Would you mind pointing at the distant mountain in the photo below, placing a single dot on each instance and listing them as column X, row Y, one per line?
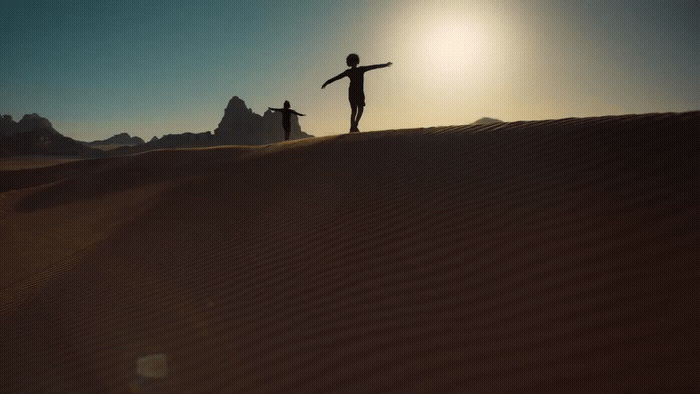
column 9, row 127
column 241, row 126
column 169, row 141
column 44, row 141
column 182, row 140
column 34, row 135
column 123, row 139
column 486, row 121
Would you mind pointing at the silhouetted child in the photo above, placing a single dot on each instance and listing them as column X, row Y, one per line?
column 286, row 117
column 356, row 93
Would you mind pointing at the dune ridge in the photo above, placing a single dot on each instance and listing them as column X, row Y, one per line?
column 535, row 255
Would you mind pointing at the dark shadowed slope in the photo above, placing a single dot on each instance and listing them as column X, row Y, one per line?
column 525, row 256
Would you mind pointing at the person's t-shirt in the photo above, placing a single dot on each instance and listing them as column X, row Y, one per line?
column 357, row 77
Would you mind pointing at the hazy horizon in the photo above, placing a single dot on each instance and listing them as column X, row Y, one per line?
column 96, row 69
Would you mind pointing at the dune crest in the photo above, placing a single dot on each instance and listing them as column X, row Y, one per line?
column 520, row 256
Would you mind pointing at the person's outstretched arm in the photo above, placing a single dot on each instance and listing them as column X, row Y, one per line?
column 337, row 77
column 297, row 113
column 367, row 68
column 275, row 109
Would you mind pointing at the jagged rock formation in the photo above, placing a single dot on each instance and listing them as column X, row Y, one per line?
column 238, row 124
column 44, row 141
column 123, row 139
column 168, row 141
column 9, row 127
column 34, row 135
column 241, row 126
column 182, row 140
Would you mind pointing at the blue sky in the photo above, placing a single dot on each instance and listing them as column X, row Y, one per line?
column 97, row 68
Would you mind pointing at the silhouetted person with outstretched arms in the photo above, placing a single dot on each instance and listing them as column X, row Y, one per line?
column 286, row 117
column 356, row 93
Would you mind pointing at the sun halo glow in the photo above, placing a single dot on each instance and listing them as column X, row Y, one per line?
column 454, row 47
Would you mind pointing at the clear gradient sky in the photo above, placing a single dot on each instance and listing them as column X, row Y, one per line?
column 97, row 68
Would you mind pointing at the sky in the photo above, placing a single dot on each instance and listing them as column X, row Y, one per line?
column 149, row 68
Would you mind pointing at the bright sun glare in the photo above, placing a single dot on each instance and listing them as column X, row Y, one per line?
column 454, row 47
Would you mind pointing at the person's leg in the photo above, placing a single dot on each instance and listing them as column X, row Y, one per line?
column 353, row 107
column 286, row 133
column 360, row 109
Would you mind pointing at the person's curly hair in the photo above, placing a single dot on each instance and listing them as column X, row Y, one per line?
column 352, row 59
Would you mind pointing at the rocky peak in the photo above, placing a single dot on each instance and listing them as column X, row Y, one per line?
column 119, row 139
column 238, row 124
column 29, row 122
column 241, row 126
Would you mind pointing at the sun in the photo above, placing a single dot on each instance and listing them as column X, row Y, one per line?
column 455, row 46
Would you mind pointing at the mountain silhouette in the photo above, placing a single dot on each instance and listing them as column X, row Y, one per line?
column 238, row 126
column 487, row 121
column 119, row 139
column 241, row 126
column 29, row 122
column 182, row 140
column 44, row 141
column 34, row 135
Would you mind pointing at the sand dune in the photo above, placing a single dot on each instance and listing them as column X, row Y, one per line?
column 15, row 163
column 540, row 255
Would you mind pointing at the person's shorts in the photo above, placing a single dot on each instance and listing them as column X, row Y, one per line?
column 357, row 99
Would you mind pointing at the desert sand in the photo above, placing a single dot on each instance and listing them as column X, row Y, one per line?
column 27, row 162
column 522, row 256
